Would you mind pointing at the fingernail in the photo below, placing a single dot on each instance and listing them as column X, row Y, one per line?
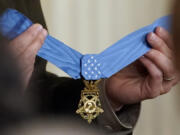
column 159, row 30
column 38, row 27
column 44, row 32
column 152, row 37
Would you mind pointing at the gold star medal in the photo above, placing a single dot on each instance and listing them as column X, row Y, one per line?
column 89, row 105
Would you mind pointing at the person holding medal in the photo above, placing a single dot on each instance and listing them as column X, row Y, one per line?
column 150, row 76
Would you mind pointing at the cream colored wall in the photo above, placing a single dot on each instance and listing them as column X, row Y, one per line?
column 92, row 25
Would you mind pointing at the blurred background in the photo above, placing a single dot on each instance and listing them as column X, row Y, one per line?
column 90, row 26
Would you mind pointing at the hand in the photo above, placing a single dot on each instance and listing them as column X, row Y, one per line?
column 25, row 48
column 152, row 75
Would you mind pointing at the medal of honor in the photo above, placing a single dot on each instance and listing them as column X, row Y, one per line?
column 91, row 67
column 89, row 105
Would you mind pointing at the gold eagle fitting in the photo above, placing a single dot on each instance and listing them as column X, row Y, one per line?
column 89, row 106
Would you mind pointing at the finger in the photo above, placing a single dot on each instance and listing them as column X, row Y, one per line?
column 156, row 77
column 153, row 70
column 162, row 62
column 158, row 44
column 165, row 35
column 168, row 84
column 20, row 43
column 28, row 56
column 37, row 43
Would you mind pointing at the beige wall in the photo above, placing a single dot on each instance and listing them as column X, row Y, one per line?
column 92, row 25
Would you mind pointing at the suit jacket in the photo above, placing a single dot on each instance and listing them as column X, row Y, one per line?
column 55, row 95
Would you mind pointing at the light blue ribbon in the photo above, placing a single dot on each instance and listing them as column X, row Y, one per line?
column 91, row 66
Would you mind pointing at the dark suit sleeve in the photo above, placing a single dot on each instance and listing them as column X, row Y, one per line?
column 117, row 123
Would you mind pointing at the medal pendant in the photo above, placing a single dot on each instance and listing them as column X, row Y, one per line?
column 89, row 106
